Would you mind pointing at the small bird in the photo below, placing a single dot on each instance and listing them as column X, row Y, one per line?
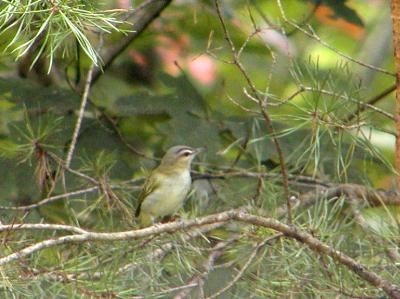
column 166, row 188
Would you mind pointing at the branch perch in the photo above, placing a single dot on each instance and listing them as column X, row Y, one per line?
column 393, row 291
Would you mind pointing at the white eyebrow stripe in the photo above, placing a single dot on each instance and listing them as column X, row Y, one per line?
column 184, row 151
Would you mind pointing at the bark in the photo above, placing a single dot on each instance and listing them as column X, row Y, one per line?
column 395, row 6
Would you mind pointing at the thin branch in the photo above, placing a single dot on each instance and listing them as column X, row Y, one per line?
column 159, row 253
column 50, row 199
column 372, row 101
column 60, row 162
column 245, row 174
column 257, row 247
column 115, row 128
column 314, row 36
column 345, row 97
column 392, row 253
column 372, row 196
column 288, row 99
column 242, row 107
column 82, row 108
column 268, row 122
column 303, row 22
column 248, row 174
column 119, row 236
column 143, row 18
column 155, row 256
column 199, row 280
column 240, row 215
column 41, row 226
column 333, row 94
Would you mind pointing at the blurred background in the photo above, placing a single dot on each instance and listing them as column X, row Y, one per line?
column 175, row 84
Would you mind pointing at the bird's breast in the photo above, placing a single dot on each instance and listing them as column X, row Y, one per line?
column 177, row 185
column 169, row 196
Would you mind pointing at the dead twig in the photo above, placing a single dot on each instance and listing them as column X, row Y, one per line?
column 262, row 107
column 81, row 112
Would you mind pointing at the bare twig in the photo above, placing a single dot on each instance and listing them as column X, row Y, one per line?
column 199, row 280
column 82, row 108
column 60, row 162
column 374, row 197
column 334, row 94
column 372, row 101
column 51, row 199
column 240, row 215
column 248, row 174
column 41, row 226
column 262, row 106
column 314, row 36
column 253, row 254
column 115, row 128
column 159, row 253
column 242, row 107
column 359, row 218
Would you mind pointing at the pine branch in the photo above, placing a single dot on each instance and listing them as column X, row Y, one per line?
column 393, row 291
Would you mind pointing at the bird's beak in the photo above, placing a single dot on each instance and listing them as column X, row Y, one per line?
column 199, row 150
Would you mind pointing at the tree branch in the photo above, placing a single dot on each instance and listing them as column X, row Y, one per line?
column 253, row 254
column 374, row 197
column 395, row 14
column 262, row 106
column 364, row 106
column 41, row 226
column 50, row 199
column 199, row 280
column 240, row 215
column 84, row 100
column 372, row 101
column 143, row 18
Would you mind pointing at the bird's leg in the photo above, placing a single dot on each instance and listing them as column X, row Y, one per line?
column 170, row 218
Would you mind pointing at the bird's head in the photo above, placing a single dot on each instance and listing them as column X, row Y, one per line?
column 179, row 157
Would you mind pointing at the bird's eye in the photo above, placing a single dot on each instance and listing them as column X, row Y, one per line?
column 186, row 154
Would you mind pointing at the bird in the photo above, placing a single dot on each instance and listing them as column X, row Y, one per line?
column 167, row 186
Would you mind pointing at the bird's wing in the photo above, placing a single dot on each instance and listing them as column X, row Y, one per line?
column 149, row 186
